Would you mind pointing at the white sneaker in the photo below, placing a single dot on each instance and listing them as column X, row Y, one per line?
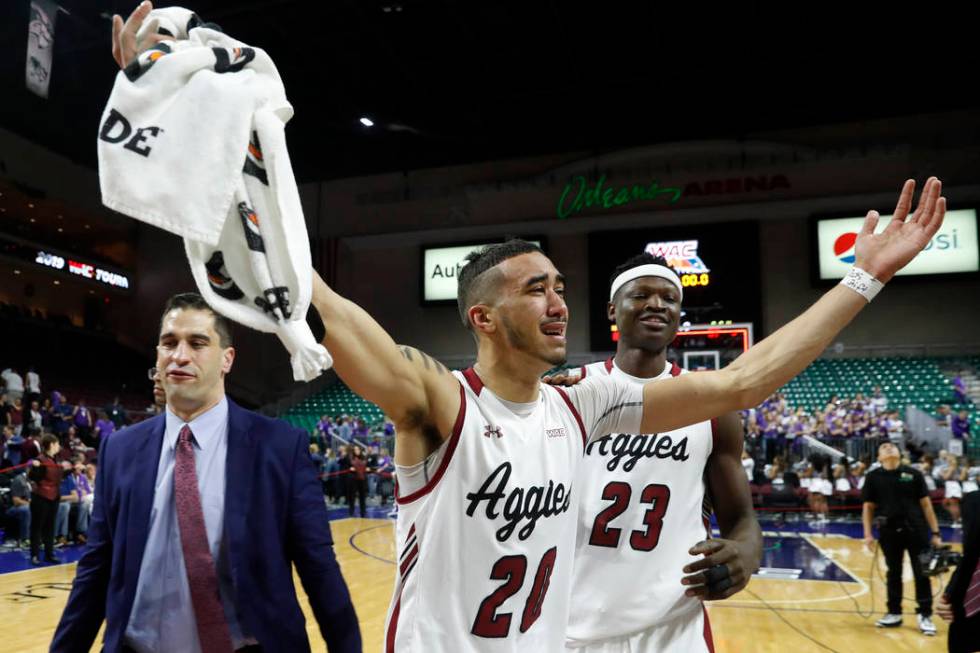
column 926, row 626
column 891, row 621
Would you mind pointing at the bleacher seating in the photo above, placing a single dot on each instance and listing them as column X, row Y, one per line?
column 335, row 400
column 904, row 381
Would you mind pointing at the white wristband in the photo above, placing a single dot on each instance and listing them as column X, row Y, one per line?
column 862, row 283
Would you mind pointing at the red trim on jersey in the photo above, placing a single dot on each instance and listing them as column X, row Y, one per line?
column 674, row 370
column 707, row 632
column 407, row 562
column 609, row 364
column 393, row 626
column 450, row 450
column 583, row 372
column 473, row 379
column 393, row 623
column 714, row 433
column 578, row 418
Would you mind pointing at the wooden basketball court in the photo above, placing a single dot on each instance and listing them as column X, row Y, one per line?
column 779, row 614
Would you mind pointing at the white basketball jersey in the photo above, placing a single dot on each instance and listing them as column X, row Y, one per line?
column 485, row 540
column 640, row 510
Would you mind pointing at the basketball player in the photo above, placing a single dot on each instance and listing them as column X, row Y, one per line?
column 641, row 526
column 486, row 458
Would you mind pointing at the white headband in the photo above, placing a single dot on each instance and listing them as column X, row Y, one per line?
column 649, row 270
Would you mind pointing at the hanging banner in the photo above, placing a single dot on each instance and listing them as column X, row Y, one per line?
column 40, row 45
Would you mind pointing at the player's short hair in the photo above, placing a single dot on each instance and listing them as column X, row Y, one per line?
column 473, row 284
column 636, row 261
column 193, row 301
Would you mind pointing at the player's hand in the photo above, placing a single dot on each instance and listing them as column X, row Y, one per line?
column 945, row 609
column 869, row 543
column 884, row 254
column 724, row 570
column 937, row 541
column 561, row 379
column 125, row 46
column 35, row 463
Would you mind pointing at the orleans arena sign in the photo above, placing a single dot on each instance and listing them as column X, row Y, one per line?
column 580, row 195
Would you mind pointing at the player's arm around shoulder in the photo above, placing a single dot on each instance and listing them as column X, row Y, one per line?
column 739, row 549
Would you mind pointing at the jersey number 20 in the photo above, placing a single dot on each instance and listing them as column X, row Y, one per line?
column 488, row 622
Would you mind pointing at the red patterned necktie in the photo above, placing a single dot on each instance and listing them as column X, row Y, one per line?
column 971, row 602
column 202, row 577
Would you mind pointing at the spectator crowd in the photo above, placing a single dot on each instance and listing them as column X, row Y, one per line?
column 788, row 473
column 48, row 462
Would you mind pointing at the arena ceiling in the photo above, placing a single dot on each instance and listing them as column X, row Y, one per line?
column 455, row 81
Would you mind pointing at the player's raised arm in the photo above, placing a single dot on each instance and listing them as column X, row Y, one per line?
column 419, row 394
column 767, row 366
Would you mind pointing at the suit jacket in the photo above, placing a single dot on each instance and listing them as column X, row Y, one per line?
column 274, row 516
column 956, row 590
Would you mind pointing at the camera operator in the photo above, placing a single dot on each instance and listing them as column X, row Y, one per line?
column 960, row 603
column 898, row 494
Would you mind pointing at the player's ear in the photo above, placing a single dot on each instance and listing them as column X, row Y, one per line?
column 481, row 318
column 611, row 312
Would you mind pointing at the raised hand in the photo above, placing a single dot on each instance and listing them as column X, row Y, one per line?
column 884, row 254
column 125, row 45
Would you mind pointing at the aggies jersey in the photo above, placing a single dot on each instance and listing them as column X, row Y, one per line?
column 486, row 525
column 640, row 510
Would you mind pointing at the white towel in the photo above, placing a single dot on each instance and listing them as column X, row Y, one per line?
column 192, row 141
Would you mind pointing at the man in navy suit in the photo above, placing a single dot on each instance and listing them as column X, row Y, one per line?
column 199, row 515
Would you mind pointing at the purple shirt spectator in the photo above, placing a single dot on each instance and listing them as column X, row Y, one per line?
column 960, row 427
column 83, row 418
column 106, row 428
column 959, row 390
column 60, row 418
column 82, row 485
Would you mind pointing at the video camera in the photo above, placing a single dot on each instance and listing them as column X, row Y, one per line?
column 937, row 559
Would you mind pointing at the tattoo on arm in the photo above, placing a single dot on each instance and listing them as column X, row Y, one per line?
column 407, row 352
